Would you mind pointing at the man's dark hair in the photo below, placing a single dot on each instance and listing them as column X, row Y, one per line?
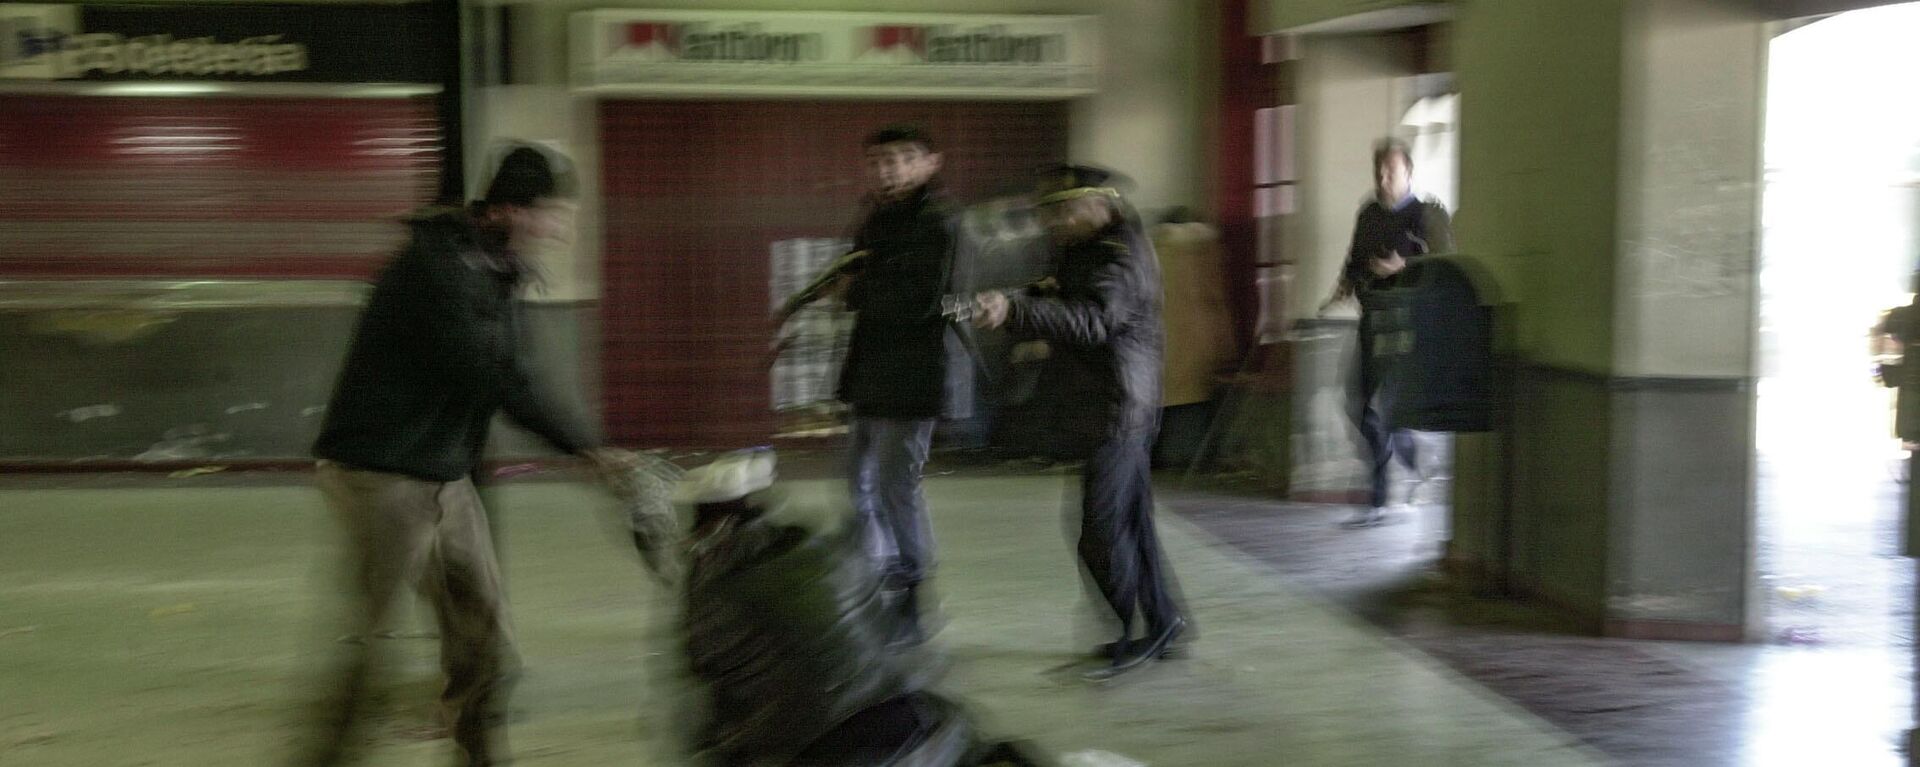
column 895, row 134
column 528, row 173
column 1388, row 147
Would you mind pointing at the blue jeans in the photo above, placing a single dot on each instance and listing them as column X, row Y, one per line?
column 1371, row 408
column 888, row 455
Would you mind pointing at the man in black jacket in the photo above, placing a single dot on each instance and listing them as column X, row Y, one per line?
column 1102, row 322
column 434, row 358
column 904, row 365
column 1392, row 228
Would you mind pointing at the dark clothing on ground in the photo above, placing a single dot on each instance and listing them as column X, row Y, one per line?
column 435, row 356
column 787, row 633
column 905, row 360
column 1102, row 324
column 919, row 730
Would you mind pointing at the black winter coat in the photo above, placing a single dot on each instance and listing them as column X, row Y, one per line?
column 435, row 356
column 905, row 360
column 1102, row 323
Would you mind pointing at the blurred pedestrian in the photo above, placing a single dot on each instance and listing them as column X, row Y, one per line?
column 434, row 358
column 906, row 367
column 1100, row 317
column 1392, row 228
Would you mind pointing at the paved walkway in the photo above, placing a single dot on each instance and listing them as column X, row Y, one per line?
column 180, row 626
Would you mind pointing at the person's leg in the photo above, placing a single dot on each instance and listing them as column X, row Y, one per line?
column 863, row 465
column 902, row 459
column 1158, row 603
column 900, row 450
column 476, row 644
column 1396, row 443
column 388, row 520
column 1370, row 420
column 1107, row 546
column 1405, row 447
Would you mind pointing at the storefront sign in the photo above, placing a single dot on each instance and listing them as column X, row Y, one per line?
column 720, row 53
column 394, row 43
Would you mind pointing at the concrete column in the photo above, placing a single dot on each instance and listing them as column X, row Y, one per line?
column 1539, row 175
column 1681, row 526
column 1610, row 161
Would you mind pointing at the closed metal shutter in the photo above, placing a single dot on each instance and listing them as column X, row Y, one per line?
column 94, row 186
column 697, row 196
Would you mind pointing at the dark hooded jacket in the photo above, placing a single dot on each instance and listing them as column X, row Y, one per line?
column 435, row 356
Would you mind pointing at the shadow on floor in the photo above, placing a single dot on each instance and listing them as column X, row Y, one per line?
column 1627, row 699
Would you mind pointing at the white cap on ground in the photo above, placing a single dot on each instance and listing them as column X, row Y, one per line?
column 734, row 476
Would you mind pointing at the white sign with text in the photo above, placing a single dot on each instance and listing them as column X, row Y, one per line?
column 739, row 53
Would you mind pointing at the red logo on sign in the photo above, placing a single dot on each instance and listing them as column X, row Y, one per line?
column 891, row 38
column 646, row 33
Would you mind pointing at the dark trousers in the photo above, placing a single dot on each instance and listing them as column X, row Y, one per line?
column 1118, row 543
column 1371, row 406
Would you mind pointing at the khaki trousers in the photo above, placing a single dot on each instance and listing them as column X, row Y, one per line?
column 432, row 536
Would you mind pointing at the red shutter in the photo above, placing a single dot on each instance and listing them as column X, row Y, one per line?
column 243, row 187
column 696, row 193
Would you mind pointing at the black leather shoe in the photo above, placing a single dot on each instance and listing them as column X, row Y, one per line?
column 1139, row 653
column 1163, row 645
column 1107, row 651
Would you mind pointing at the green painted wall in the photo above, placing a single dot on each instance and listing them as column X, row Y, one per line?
column 1540, row 135
column 1540, row 87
